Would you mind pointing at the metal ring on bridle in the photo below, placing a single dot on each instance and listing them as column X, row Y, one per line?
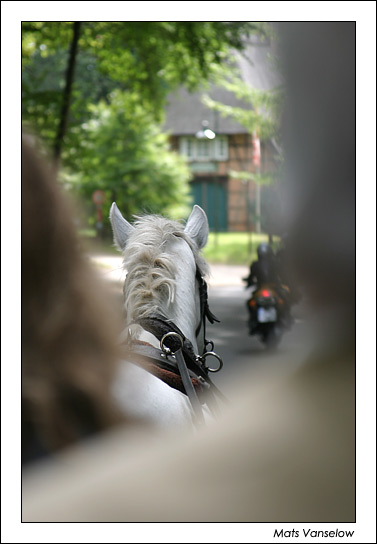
column 213, row 354
column 166, row 349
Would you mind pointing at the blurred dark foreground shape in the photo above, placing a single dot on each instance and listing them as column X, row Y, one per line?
column 69, row 330
column 284, row 452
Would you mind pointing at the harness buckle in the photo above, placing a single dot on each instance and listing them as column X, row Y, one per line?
column 166, row 348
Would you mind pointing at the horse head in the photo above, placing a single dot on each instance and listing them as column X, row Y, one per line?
column 164, row 268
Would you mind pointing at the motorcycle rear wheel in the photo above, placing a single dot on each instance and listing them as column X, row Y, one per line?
column 271, row 336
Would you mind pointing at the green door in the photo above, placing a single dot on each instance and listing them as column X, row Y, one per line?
column 211, row 196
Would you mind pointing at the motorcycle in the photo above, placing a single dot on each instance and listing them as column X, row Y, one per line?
column 269, row 314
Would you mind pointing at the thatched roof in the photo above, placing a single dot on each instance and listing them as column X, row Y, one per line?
column 185, row 111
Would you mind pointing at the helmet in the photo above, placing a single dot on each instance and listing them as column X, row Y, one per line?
column 264, row 251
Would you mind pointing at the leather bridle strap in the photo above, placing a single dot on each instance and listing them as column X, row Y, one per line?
column 158, row 325
column 189, row 388
column 205, row 312
column 184, row 373
column 143, row 352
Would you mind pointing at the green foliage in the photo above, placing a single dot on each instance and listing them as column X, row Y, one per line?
column 44, row 38
column 124, row 154
column 147, row 58
column 151, row 58
column 124, row 71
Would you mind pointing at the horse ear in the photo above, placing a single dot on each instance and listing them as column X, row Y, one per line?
column 121, row 228
column 197, row 226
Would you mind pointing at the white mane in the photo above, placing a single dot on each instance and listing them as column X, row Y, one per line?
column 150, row 283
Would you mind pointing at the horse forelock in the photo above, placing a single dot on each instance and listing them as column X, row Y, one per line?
column 150, row 283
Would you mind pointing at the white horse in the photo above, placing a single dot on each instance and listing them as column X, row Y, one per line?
column 166, row 307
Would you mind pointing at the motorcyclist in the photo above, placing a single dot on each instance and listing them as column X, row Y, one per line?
column 263, row 270
column 266, row 271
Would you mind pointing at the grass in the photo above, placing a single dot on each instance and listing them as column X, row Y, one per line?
column 238, row 248
column 233, row 247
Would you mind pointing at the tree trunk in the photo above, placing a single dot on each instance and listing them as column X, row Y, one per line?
column 67, row 92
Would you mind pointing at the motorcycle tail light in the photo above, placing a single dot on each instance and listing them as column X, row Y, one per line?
column 265, row 293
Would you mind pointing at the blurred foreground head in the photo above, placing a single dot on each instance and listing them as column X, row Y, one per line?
column 68, row 330
column 318, row 61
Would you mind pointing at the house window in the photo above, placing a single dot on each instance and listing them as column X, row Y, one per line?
column 204, row 150
column 221, row 148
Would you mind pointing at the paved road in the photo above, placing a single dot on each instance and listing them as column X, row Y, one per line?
column 227, row 297
column 239, row 350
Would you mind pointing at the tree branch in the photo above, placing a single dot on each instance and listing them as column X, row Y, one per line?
column 67, row 91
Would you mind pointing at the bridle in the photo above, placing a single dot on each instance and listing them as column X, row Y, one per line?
column 177, row 355
column 205, row 312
